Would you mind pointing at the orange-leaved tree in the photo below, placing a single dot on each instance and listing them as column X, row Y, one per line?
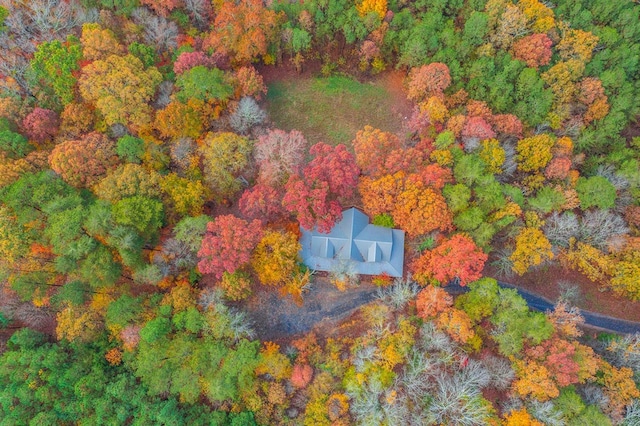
column 432, row 300
column 534, row 50
column 243, row 30
column 520, row 418
column 99, row 43
column 457, row 257
column 420, row 209
column 84, row 162
column 372, row 148
column 427, row 80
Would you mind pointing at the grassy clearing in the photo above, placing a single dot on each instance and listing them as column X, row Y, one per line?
column 331, row 109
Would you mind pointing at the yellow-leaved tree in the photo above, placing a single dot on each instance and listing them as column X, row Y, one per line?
column 368, row 6
column 224, row 156
column 520, row 418
column 121, row 88
column 534, row 153
column 532, row 248
column 275, row 258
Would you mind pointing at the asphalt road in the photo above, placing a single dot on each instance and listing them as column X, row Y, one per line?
column 592, row 319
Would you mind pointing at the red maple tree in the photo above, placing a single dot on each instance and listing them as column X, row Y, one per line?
column 228, row 245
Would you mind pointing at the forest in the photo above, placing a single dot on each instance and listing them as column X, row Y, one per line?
column 159, row 160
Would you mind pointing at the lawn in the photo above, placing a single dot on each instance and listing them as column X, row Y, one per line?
column 332, row 109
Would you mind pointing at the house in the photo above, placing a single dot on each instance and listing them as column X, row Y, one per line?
column 371, row 249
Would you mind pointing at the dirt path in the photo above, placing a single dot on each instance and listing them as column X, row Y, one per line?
column 276, row 318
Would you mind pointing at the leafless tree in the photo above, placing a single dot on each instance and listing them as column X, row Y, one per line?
column 593, row 394
column 149, row 274
column 510, row 165
column 609, row 172
column 503, row 263
column 546, row 412
column 399, row 293
column 560, row 228
column 280, row 154
column 32, row 22
column 625, row 352
column 158, row 31
column 199, row 11
column 632, row 416
column 247, row 115
column 178, row 256
column 457, row 398
column 500, row 371
column 33, row 316
column 599, row 226
column 163, row 95
column 181, row 154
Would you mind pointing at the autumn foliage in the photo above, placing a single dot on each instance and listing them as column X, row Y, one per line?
column 314, row 197
column 262, row 202
column 187, row 60
column 534, row 50
column 84, row 162
column 275, row 257
column 312, row 203
column 432, row 300
column 121, row 88
column 532, row 248
column 373, row 147
column 414, row 201
column 428, row 80
column 457, row 257
column 41, row 125
column 243, row 30
column 227, row 245
column 146, row 192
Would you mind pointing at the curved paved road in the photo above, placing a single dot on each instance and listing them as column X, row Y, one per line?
column 592, row 319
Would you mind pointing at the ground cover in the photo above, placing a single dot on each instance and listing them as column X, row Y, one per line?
column 334, row 109
column 278, row 318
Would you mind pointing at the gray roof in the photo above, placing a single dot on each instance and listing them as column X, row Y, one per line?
column 371, row 249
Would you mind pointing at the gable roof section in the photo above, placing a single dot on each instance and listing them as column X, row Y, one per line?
column 373, row 250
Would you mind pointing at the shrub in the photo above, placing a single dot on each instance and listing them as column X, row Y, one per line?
column 384, row 220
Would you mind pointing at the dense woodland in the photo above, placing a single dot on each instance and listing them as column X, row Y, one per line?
column 145, row 195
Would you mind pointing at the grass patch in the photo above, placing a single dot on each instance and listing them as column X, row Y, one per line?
column 331, row 109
